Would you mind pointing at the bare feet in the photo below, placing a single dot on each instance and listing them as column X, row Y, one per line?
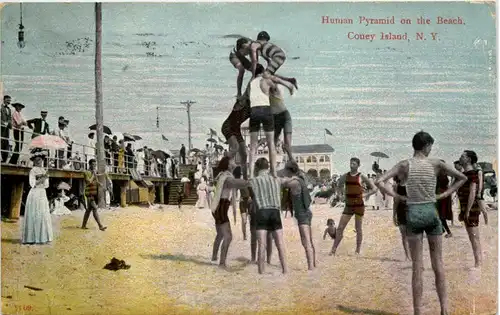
column 448, row 235
column 215, row 258
column 84, row 228
column 103, row 228
column 332, row 253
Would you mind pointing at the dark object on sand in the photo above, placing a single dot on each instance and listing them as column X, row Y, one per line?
column 116, row 264
column 33, row 288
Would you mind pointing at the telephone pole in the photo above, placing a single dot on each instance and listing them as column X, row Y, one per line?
column 157, row 117
column 188, row 109
column 99, row 113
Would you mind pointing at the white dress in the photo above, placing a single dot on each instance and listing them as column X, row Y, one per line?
column 37, row 223
column 59, row 207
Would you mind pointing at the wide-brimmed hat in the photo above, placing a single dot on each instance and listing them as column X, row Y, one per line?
column 16, row 105
column 38, row 153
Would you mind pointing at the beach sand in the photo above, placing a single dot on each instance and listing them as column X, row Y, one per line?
column 171, row 273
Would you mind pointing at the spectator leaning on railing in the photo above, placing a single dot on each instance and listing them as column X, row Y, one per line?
column 18, row 123
column 6, row 126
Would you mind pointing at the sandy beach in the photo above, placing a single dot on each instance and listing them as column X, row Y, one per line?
column 171, row 273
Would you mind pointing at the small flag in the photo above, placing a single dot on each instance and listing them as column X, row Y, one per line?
column 164, row 138
column 213, row 132
column 328, row 132
column 220, row 140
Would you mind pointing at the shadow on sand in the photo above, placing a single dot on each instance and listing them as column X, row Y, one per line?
column 351, row 310
column 11, row 240
column 199, row 260
column 383, row 259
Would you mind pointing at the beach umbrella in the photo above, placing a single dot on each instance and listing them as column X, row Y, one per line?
column 379, row 155
column 168, row 152
column 219, row 147
column 136, row 137
column 139, row 150
column 194, row 150
column 185, row 180
column 106, row 129
column 159, row 154
column 63, row 186
column 128, row 137
column 48, row 142
column 211, row 140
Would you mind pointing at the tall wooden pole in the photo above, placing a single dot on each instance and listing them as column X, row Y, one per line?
column 99, row 113
column 188, row 109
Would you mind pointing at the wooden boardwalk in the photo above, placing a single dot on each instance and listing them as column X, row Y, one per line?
column 15, row 179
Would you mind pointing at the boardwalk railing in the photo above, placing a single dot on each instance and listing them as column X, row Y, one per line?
column 16, row 150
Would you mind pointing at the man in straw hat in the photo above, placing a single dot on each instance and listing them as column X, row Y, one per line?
column 18, row 123
column 39, row 125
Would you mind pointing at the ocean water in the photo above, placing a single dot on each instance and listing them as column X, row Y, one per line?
column 373, row 96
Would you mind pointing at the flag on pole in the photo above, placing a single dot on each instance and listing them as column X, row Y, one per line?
column 164, row 138
column 213, row 132
column 328, row 132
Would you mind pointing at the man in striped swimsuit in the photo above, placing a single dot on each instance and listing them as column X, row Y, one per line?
column 274, row 55
column 352, row 184
column 241, row 63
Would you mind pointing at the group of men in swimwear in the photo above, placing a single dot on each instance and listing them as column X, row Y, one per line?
column 262, row 102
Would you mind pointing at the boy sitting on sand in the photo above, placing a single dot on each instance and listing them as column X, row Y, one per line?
column 331, row 229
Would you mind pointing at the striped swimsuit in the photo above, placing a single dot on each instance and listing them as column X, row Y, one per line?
column 354, row 203
column 274, row 56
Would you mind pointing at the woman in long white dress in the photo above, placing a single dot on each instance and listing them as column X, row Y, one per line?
column 37, row 223
column 201, row 190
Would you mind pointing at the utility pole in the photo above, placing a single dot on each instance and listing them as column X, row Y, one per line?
column 99, row 113
column 188, row 109
column 157, row 117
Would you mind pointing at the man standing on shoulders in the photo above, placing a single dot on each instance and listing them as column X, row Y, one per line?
column 351, row 191
column 6, row 126
column 39, row 125
column 182, row 153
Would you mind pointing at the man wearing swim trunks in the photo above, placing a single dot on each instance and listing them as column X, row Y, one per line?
column 261, row 88
column 420, row 174
column 266, row 191
column 351, row 188
column 282, row 118
column 274, row 55
column 241, row 63
column 469, row 207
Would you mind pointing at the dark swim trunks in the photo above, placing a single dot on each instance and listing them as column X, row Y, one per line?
column 473, row 220
column 282, row 122
column 268, row 219
column 220, row 214
column 261, row 115
column 232, row 125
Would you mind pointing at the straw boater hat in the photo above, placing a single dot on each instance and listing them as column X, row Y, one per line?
column 16, row 105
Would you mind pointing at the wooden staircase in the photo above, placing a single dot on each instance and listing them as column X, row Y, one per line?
column 174, row 186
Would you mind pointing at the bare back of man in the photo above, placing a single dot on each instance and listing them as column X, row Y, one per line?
column 282, row 118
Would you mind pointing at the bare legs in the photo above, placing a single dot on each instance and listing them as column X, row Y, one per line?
column 358, row 224
column 253, row 245
column 306, row 238
column 339, row 234
column 404, row 239
column 435, row 248
column 278, row 239
column 272, row 152
column 244, row 225
column 254, row 138
column 225, row 236
column 475, row 241
column 92, row 207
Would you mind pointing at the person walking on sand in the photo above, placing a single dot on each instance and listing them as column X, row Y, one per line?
column 301, row 203
column 281, row 116
column 399, row 212
column 261, row 88
column 265, row 191
column 225, row 184
column 469, row 207
column 37, row 223
column 420, row 173
column 91, row 195
column 351, row 190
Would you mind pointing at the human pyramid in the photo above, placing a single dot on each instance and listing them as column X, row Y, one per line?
column 262, row 103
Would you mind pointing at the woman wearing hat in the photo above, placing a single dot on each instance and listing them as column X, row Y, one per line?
column 37, row 223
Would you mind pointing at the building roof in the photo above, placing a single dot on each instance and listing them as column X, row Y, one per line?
column 312, row 148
